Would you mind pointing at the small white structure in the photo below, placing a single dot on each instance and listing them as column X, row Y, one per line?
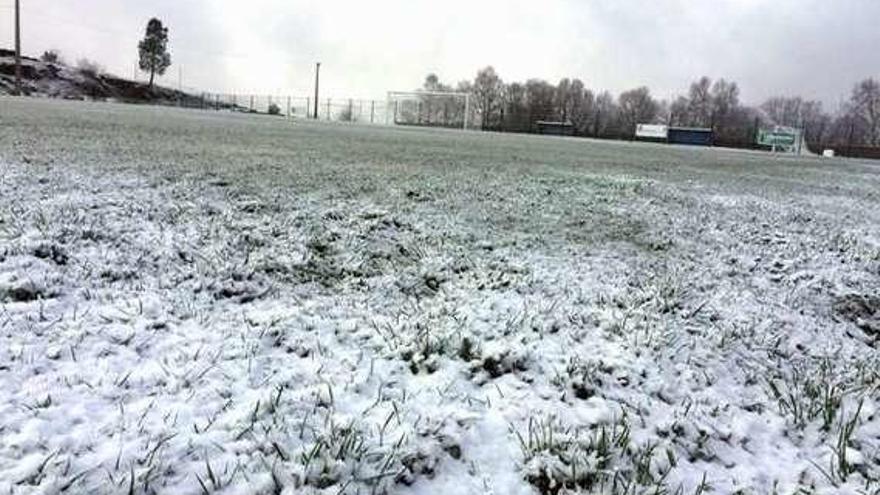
column 652, row 132
column 828, row 153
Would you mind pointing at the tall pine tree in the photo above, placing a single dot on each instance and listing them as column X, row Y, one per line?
column 153, row 50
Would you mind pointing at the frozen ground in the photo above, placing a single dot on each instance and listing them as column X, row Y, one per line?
column 210, row 303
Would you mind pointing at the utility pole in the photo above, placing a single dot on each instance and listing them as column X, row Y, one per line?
column 317, row 85
column 17, row 48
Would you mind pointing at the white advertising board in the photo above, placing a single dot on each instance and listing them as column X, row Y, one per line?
column 651, row 131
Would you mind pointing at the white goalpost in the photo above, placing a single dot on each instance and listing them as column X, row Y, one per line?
column 428, row 109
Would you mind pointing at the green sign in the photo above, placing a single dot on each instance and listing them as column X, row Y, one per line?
column 777, row 137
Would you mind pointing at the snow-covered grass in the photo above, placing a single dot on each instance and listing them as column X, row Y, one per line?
column 213, row 303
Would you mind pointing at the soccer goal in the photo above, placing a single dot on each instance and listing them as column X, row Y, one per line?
column 428, row 109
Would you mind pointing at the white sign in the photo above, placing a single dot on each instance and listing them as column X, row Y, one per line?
column 828, row 154
column 650, row 131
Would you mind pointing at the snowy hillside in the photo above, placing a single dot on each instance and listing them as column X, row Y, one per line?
column 58, row 80
column 208, row 302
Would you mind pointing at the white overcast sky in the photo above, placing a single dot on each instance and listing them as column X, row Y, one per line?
column 815, row 48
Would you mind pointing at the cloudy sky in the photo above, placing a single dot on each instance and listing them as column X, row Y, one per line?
column 816, row 48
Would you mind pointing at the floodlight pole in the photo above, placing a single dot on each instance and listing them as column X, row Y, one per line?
column 317, row 85
column 467, row 109
column 17, row 48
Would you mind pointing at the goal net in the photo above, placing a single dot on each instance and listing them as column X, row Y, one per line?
column 428, row 109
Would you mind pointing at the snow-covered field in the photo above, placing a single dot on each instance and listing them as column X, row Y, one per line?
column 213, row 303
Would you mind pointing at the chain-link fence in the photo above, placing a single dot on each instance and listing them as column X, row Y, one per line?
column 328, row 109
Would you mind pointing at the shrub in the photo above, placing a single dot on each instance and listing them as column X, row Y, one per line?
column 274, row 109
column 89, row 67
column 51, row 57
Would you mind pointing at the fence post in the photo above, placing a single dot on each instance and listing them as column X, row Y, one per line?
column 288, row 107
column 328, row 109
column 372, row 110
column 350, row 110
column 252, row 103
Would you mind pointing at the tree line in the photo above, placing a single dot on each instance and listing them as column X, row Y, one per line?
column 497, row 105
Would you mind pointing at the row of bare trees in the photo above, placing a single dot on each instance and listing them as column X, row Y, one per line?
column 516, row 106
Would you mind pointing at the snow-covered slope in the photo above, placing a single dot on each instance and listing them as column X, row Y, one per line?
column 58, row 80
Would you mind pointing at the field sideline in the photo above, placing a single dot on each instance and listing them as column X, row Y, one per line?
column 205, row 302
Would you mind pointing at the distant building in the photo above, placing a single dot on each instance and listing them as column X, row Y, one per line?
column 554, row 128
column 694, row 136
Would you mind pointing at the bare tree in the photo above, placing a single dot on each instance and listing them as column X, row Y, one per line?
column 700, row 103
column 561, row 99
column 488, row 91
column 516, row 108
column 584, row 111
column 605, row 114
column 847, row 129
column 784, row 110
column 815, row 122
column 438, row 110
column 637, row 106
column 865, row 106
column 807, row 115
column 569, row 99
column 541, row 97
column 725, row 101
column 679, row 113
